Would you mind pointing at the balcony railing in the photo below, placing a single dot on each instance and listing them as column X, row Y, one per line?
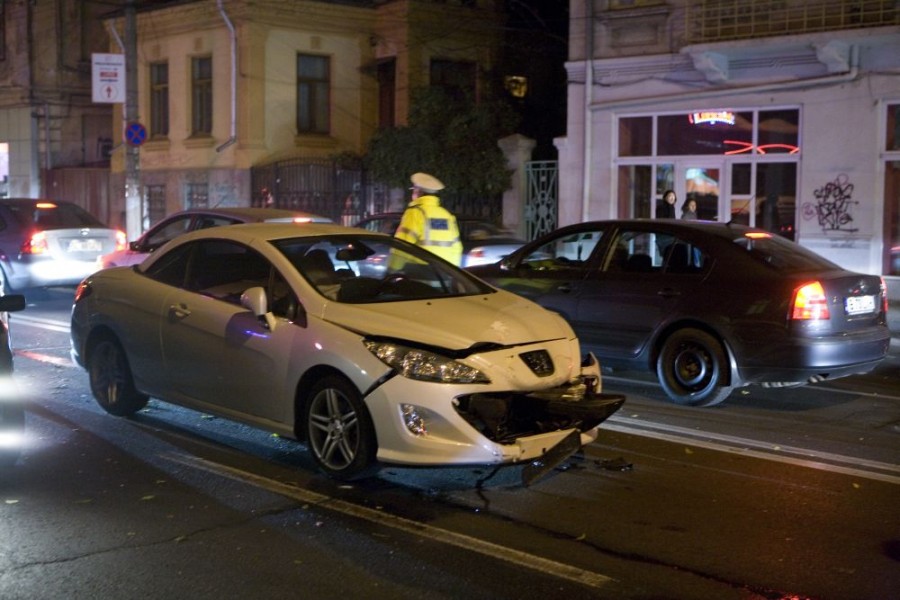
column 720, row 20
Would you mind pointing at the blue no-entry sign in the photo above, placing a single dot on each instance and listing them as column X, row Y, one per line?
column 135, row 133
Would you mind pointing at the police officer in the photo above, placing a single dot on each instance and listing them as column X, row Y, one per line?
column 428, row 224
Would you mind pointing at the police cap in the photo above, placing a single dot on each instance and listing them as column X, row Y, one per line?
column 426, row 182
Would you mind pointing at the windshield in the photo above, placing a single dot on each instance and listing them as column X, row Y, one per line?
column 52, row 215
column 365, row 269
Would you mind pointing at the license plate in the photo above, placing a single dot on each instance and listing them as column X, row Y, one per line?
column 85, row 245
column 855, row 305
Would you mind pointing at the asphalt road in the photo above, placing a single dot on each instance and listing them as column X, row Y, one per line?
column 774, row 494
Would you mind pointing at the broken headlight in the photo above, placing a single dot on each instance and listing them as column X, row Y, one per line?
column 423, row 365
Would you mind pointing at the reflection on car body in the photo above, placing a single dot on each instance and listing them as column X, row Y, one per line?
column 706, row 306
column 283, row 328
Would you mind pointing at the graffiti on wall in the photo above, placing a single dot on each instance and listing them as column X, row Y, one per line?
column 834, row 202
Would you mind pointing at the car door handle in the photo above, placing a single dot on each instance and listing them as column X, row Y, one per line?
column 668, row 293
column 565, row 288
column 179, row 311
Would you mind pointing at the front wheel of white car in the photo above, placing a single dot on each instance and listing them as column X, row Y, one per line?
column 111, row 381
column 339, row 429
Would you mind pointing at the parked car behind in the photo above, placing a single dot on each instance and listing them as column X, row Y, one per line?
column 273, row 325
column 706, row 306
column 48, row 242
column 12, row 406
column 483, row 242
column 199, row 218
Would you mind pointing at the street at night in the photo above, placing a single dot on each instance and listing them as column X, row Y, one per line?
column 776, row 493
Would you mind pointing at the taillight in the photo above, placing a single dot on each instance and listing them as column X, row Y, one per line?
column 810, row 303
column 884, row 298
column 297, row 220
column 36, row 244
column 83, row 290
column 121, row 240
column 477, row 253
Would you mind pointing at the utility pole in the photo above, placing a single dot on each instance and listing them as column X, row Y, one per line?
column 132, row 151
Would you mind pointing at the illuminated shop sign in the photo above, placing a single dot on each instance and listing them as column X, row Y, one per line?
column 745, row 147
column 726, row 117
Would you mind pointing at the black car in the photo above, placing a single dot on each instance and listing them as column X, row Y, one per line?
column 706, row 306
column 12, row 409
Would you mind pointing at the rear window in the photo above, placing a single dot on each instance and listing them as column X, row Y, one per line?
column 783, row 255
column 53, row 215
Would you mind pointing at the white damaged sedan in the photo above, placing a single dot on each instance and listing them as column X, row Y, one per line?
column 280, row 327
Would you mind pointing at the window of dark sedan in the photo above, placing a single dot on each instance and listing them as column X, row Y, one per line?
column 224, row 270
column 649, row 252
column 568, row 252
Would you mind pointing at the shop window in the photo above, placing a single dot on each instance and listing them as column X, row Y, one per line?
column 776, row 197
column 778, row 132
column 742, row 204
column 705, row 133
column 892, row 218
column 636, row 136
column 635, row 191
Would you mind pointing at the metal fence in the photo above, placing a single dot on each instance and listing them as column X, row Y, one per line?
column 716, row 20
column 344, row 192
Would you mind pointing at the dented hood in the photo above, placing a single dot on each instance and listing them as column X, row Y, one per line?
column 455, row 323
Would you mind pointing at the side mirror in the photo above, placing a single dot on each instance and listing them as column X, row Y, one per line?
column 254, row 299
column 12, row 303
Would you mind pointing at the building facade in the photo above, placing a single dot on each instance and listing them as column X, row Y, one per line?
column 226, row 86
column 47, row 118
column 782, row 114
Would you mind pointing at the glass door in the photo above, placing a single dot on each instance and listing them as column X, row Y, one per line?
column 701, row 187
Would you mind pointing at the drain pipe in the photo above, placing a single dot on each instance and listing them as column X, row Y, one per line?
column 588, row 95
column 230, row 25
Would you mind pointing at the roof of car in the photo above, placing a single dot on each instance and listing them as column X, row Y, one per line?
column 32, row 201
column 274, row 231
column 252, row 214
column 710, row 227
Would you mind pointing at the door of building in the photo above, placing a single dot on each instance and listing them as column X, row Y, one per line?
column 703, row 182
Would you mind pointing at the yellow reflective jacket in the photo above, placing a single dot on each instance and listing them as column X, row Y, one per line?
column 428, row 224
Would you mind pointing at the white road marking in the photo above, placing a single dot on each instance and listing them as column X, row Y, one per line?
column 794, row 455
column 49, row 324
column 521, row 559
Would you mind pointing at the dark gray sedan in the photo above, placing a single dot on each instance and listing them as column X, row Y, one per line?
column 706, row 306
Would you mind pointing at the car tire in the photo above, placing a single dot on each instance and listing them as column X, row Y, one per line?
column 12, row 421
column 339, row 430
column 111, row 381
column 693, row 368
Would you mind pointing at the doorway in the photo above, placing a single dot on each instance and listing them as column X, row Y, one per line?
column 700, row 182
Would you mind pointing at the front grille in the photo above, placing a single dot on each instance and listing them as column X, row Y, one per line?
column 539, row 362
